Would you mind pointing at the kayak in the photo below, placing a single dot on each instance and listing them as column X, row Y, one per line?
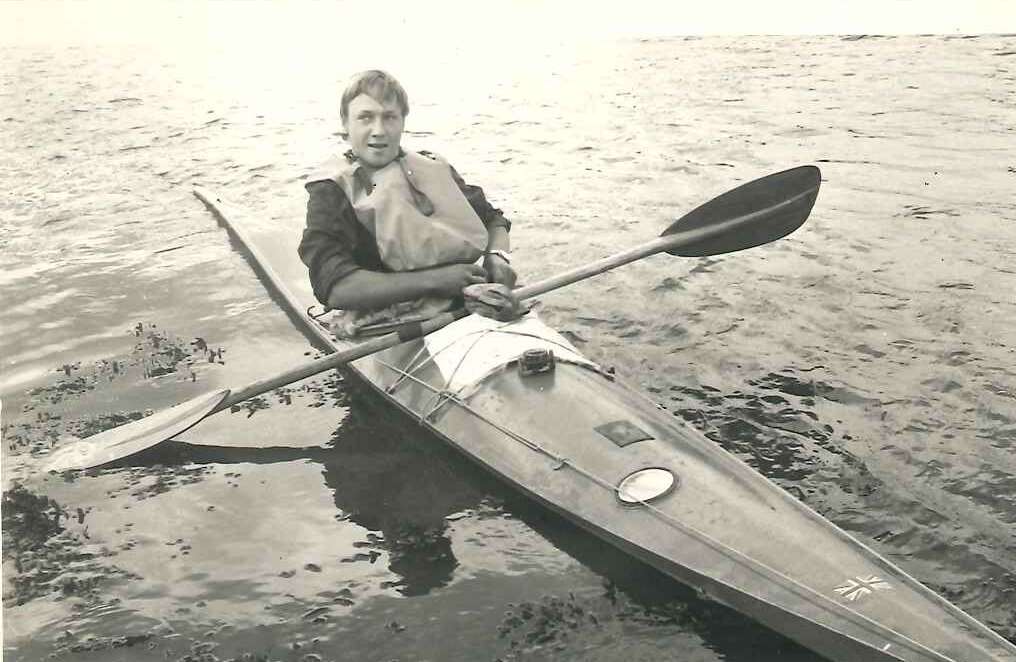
column 519, row 399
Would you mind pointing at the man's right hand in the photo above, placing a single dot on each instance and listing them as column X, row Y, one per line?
column 450, row 279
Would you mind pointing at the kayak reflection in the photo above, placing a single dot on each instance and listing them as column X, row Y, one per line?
column 390, row 478
column 395, row 479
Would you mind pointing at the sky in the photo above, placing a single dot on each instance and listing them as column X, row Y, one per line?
column 506, row 24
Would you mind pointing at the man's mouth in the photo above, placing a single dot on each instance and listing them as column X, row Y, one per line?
column 377, row 145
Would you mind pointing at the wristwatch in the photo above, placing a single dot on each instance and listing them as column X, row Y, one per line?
column 504, row 255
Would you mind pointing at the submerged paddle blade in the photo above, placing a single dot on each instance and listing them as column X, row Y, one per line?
column 750, row 215
column 119, row 442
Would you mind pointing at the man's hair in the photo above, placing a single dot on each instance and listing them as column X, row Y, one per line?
column 377, row 84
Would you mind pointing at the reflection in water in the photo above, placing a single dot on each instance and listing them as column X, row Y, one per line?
column 385, row 474
column 403, row 485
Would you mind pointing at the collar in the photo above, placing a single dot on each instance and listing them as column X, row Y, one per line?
column 362, row 173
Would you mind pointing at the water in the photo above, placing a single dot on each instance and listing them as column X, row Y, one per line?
column 865, row 363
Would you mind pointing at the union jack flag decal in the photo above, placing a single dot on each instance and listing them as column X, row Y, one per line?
column 858, row 587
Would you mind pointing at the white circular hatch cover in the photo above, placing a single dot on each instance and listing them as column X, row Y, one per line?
column 645, row 485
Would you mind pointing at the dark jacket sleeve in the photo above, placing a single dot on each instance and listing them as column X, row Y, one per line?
column 489, row 214
column 331, row 238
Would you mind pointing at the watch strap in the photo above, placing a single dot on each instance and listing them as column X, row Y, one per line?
column 504, row 255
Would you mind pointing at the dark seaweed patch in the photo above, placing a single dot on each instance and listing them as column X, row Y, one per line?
column 155, row 353
column 48, row 558
column 553, row 626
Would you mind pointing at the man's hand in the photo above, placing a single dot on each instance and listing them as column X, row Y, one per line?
column 498, row 270
column 495, row 301
column 450, row 280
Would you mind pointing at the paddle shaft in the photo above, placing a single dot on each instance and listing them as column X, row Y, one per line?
column 310, row 368
column 657, row 245
column 668, row 242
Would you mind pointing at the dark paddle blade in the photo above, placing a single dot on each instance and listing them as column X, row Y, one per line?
column 750, row 215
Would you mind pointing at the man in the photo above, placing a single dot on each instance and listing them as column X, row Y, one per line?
column 393, row 236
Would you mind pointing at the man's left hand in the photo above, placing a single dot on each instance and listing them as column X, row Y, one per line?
column 498, row 270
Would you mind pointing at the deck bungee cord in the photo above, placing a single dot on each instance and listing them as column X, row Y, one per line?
column 477, row 336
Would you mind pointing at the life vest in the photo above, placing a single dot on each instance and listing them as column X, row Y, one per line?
column 389, row 206
column 419, row 218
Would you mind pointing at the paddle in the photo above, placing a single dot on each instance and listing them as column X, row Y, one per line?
column 750, row 215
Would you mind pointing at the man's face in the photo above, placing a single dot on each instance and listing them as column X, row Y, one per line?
column 374, row 129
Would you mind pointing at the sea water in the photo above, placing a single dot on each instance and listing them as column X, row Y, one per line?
column 865, row 363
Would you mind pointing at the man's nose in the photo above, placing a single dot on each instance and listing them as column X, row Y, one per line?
column 377, row 127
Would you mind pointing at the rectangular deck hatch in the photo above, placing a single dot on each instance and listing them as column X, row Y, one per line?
column 623, row 432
